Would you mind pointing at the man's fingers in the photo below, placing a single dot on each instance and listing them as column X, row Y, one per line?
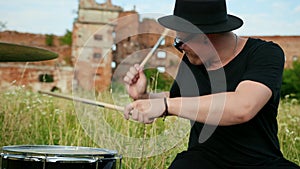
column 138, row 68
column 128, row 111
column 135, row 114
column 133, row 71
column 127, row 80
column 131, row 76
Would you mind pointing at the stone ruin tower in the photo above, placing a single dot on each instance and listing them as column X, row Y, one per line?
column 93, row 37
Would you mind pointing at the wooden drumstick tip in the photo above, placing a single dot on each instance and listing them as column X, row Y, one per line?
column 86, row 101
column 165, row 32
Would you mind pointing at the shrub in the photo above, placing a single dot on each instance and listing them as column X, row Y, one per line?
column 158, row 81
column 49, row 40
column 66, row 39
column 291, row 81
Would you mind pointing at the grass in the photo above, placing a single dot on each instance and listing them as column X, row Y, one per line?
column 30, row 118
column 289, row 129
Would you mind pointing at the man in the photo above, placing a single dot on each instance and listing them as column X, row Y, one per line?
column 233, row 107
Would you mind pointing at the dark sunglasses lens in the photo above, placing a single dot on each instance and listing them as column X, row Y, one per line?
column 177, row 44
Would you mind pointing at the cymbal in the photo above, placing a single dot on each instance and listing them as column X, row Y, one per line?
column 20, row 53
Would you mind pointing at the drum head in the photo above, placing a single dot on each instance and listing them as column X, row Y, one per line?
column 55, row 157
column 59, row 150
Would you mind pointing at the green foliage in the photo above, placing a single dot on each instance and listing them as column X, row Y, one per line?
column 291, row 81
column 46, row 78
column 2, row 25
column 49, row 40
column 35, row 119
column 158, row 81
column 289, row 128
column 66, row 39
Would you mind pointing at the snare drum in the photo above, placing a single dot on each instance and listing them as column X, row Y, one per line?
column 58, row 157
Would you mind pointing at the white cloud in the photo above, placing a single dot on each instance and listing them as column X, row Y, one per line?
column 266, row 25
column 297, row 9
column 49, row 16
column 260, row 1
column 280, row 6
column 38, row 16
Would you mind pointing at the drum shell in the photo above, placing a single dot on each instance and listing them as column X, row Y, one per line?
column 19, row 164
column 29, row 160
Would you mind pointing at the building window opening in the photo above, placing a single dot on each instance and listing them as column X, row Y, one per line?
column 97, row 55
column 163, row 42
column 161, row 55
column 295, row 58
column 114, row 35
column 161, row 69
column 113, row 64
column 97, row 76
column 114, row 47
column 100, row 1
column 46, row 78
column 98, row 37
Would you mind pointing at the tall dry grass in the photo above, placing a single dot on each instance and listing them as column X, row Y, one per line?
column 289, row 128
column 31, row 118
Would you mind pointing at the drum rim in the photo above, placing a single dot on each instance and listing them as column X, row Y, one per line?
column 27, row 148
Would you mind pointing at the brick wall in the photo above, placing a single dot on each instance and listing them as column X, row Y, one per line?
column 29, row 73
column 62, row 68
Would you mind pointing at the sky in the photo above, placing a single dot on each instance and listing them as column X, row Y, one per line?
column 261, row 17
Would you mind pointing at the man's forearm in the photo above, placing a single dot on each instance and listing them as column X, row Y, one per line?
column 148, row 95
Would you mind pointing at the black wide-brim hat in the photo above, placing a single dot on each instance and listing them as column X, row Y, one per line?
column 201, row 16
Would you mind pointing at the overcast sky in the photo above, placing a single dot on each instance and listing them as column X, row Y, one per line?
column 261, row 17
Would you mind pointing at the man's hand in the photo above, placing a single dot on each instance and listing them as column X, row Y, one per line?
column 145, row 110
column 136, row 82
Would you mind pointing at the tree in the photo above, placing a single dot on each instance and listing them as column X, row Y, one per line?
column 66, row 39
column 291, row 81
column 2, row 25
column 49, row 40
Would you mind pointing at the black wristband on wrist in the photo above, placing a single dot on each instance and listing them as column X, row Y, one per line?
column 166, row 109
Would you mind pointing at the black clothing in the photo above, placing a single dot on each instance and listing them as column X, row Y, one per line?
column 251, row 144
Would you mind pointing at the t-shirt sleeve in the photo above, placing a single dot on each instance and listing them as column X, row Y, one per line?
column 266, row 66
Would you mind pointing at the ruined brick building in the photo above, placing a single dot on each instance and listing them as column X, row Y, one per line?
column 92, row 41
column 106, row 41
column 105, row 37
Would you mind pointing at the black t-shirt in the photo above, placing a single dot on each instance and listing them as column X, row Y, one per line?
column 252, row 142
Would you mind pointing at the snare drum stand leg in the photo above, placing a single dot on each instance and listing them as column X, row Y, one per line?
column 120, row 163
column 97, row 162
column 44, row 162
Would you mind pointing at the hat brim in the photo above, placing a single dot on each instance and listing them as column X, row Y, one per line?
column 182, row 25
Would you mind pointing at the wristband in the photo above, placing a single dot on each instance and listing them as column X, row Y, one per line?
column 165, row 114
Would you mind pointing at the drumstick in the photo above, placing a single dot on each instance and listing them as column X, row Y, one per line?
column 86, row 101
column 154, row 48
column 102, row 104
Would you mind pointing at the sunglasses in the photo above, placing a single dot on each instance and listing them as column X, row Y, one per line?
column 178, row 42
